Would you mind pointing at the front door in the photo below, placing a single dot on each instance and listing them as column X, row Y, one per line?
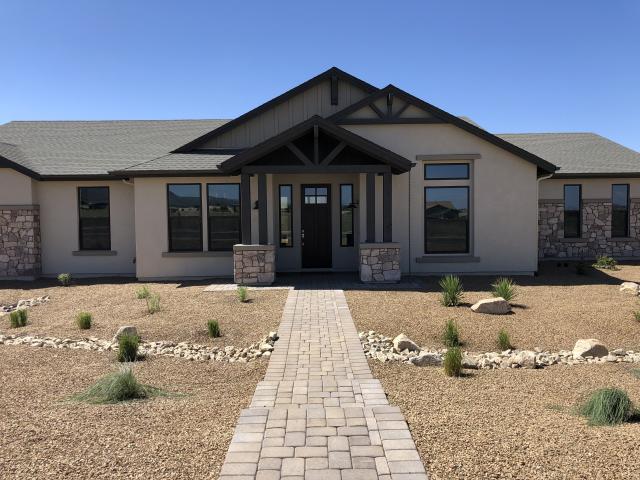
column 316, row 226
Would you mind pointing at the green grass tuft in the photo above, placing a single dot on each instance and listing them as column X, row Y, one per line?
column 451, row 290
column 65, row 279
column 504, row 342
column 83, row 320
column 143, row 293
column 608, row 406
column 451, row 334
column 606, row 263
column 505, row 288
column 128, row 348
column 214, row 328
column 120, row 386
column 18, row 318
column 452, row 362
column 242, row 294
column 153, row 303
column 636, row 315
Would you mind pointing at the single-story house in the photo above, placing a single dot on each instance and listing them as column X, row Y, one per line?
column 333, row 175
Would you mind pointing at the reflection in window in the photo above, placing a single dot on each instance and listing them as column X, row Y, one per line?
column 620, row 211
column 185, row 217
column 346, row 215
column 316, row 195
column 223, row 207
column 446, row 219
column 286, row 216
column 446, row 171
column 572, row 211
column 93, row 216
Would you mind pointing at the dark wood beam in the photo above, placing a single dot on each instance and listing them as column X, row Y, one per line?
column 387, row 226
column 333, row 154
column 378, row 112
column 334, row 90
column 402, row 109
column 262, row 209
column 252, row 169
column 299, row 153
column 371, row 207
column 389, row 104
column 245, row 208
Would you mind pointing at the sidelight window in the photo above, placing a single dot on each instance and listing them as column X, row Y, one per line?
column 286, row 216
column 346, row 215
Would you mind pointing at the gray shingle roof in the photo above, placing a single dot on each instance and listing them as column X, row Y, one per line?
column 185, row 162
column 579, row 153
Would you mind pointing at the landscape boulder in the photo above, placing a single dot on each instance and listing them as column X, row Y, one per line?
column 589, row 347
column 630, row 287
column 402, row 342
column 492, row 306
column 427, row 360
column 125, row 330
column 525, row 359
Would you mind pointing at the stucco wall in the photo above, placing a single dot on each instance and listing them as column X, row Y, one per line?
column 16, row 188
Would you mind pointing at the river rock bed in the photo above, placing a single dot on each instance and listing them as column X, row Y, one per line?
column 30, row 302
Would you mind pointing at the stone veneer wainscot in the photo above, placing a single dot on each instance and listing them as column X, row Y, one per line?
column 380, row 262
column 254, row 264
column 20, row 241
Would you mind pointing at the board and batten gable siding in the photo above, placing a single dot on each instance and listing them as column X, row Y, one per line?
column 314, row 101
column 503, row 200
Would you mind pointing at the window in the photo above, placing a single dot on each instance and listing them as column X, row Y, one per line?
column 446, row 171
column 446, row 222
column 185, row 217
column 93, row 216
column 346, row 215
column 572, row 211
column 620, row 210
column 223, row 216
column 316, row 195
column 286, row 216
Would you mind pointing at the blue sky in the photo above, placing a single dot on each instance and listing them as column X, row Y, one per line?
column 512, row 66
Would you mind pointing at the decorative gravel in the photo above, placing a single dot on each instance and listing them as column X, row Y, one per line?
column 551, row 311
column 180, row 437
column 185, row 310
column 514, row 423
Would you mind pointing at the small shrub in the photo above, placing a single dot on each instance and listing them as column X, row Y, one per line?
column 453, row 362
column 83, row 320
column 143, row 293
column 18, row 318
column 451, row 290
column 242, row 294
column 64, row 279
column 505, row 288
column 214, row 328
column 128, row 348
column 606, row 263
column 116, row 387
column 608, row 406
column 153, row 303
column 451, row 335
column 504, row 342
column 636, row 316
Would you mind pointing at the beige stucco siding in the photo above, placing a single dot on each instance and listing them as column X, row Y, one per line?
column 60, row 235
column 592, row 188
column 16, row 188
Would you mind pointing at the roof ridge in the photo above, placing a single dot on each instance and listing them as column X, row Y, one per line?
column 549, row 133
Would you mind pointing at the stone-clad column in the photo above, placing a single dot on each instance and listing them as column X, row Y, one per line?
column 380, row 262
column 254, row 264
column 20, row 241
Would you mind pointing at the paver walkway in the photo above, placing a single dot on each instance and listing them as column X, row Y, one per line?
column 319, row 413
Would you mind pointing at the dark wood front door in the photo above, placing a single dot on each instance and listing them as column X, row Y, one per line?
column 316, row 226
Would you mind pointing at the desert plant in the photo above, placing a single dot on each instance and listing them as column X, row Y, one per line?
column 451, row 334
column 128, row 348
column 606, row 263
column 636, row 315
column 214, row 328
column 242, row 293
column 607, row 406
column 64, row 279
column 18, row 318
column 153, row 303
column 143, row 292
column 83, row 320
column 504, row 342
column 451, row 290
column 505, row 288
column 116, row 387
column 452, row 362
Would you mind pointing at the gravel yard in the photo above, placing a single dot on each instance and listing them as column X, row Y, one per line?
column 185, row 437
column 185, row 310
column 551, row 311
column 514, row 423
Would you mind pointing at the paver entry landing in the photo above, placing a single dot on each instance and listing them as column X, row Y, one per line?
column 319, row 413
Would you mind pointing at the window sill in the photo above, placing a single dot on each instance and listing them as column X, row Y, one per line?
column 623, row 239
column 447, row 259
column 195, row 254
column 94, row 253
column 573, row 240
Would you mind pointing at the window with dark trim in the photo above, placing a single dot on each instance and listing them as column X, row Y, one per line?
column 223, row 216
column 620, row 210
column 184, row 201
column 446, row 220
column 446, row 171
column 346, row 215
column 94, row 218
column 286, row 215
column 572, row 211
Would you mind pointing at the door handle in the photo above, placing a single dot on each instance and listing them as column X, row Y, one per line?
column 302, row 237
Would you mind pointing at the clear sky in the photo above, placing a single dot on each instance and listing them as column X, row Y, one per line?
column 510, row 65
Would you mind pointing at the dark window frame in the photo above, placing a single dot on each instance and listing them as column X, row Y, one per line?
column 353, row 222
column 169, row 185
column 564, row 210
column 209, row 221
column 627, row 222
column 80, row 246
column 428, row 164
column 468, row 229
column 280, row 215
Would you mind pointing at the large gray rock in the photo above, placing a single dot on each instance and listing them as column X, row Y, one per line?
column 427, row 360
column 630, row 288
column 589, row 347
column 125, row 330
column 525, row 359
column 402, row 342
column 492, row 306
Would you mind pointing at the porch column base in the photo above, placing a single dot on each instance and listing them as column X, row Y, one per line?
column 380, row 262
column 254, row 265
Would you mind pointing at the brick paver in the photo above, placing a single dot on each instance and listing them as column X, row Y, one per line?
column 319, row 413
